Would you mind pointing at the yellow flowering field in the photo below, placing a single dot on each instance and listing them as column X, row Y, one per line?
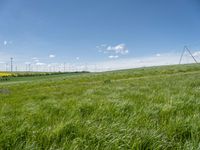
column 5, row 74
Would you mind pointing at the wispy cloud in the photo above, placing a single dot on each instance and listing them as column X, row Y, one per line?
column 52, row 56
column 5, row 43
column 113, row 57
column 35, row 60
column 113, row 51
column 118, row 49
column 40, row 64
column 158, row 55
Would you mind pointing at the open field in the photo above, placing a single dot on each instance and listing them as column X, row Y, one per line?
column 147, row 108
column 30, row 76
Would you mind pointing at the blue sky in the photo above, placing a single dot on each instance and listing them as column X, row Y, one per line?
column 96, row 31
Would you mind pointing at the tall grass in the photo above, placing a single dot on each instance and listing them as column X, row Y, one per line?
column 148, row 108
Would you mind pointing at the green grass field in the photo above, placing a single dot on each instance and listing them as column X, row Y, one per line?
column 147, row 108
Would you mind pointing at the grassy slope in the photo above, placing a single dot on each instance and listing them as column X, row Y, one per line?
column 155, row 108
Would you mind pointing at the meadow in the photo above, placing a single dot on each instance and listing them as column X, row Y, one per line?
column 147, row 108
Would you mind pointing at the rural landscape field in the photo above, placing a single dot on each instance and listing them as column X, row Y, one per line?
column 100, row 75
column 146, row 108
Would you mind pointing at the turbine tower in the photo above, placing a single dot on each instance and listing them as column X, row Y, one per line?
column 11, row 64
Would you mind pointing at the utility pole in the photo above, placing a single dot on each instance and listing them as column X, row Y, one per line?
column 184, row 50
column 11, row 64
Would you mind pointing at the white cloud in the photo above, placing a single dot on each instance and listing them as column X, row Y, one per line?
column 118, row 49
column 5, row 43
column 77, row 58
column 158, row 55
column 113, row 51
column 34, row 58
column 113, row 57
column 52, row 56
column 40, row 64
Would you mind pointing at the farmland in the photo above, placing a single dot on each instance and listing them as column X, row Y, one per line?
column 146, row 108
column 5, row 74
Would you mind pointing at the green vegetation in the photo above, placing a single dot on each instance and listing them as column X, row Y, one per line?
column 147, row 108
